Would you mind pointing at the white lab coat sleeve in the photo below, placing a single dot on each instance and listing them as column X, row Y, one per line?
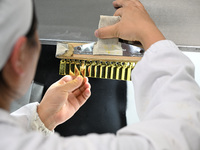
column 34, row 140
column 28, row 117
column 167, row 99
column 22, row 140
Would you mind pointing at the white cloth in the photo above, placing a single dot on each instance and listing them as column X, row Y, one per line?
column 167, row 99
column 32, row 118
column 110, row 46
column 15, row 21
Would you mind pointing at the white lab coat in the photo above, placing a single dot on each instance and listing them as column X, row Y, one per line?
column 167, row 100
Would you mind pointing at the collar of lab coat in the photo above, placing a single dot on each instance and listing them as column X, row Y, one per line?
column 7, row 119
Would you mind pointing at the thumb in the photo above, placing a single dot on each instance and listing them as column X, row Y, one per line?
column 107, row 32
column 73, row 84
column 65, row 79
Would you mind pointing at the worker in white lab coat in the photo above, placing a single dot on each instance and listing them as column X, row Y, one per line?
column 167, row 96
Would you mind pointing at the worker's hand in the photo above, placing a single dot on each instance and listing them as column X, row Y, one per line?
column 62, row 100
column 135, row 24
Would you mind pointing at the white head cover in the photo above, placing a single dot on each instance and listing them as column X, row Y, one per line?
column 15, row 21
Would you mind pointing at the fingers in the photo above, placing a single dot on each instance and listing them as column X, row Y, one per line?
column 79, row 100
column 116, row 4
column 107, row 32
column 73, row 84
column 65, row 79
column 123, row 3
column 81, row 89
column 81, row 94
column 126, row 7
column 84, row 96
column 118, row 12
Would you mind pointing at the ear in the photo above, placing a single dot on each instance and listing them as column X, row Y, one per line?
column 17, row 55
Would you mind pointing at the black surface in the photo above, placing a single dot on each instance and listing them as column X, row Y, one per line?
column 104, row 112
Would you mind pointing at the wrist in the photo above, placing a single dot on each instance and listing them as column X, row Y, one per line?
column 152, row 36
column 47, row 121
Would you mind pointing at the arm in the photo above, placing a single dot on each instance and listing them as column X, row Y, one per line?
column 63, row 99
column 59, row 103
column 167, row 98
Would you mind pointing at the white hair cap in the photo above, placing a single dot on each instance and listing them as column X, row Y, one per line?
column 15, row 21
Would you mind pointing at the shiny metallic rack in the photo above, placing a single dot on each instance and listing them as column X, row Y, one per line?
column 78, row 59
column 105, row 67
column 97, row 69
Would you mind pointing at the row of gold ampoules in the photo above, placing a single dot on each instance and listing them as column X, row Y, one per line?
column 97, row 69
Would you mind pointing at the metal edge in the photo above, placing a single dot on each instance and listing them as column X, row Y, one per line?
column 189, row 48
column 54, row 42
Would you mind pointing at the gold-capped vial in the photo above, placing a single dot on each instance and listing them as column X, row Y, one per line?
column 72, row 66
column 112, row 70
column 128, row 70
column 92, row 69
column 103, row 69
column 120, row 66
column 123, row 70
column 83, row 68
column 67, row 70
column 77, row 67
column 62, row 69
column 87, row 68
column 97, row 69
